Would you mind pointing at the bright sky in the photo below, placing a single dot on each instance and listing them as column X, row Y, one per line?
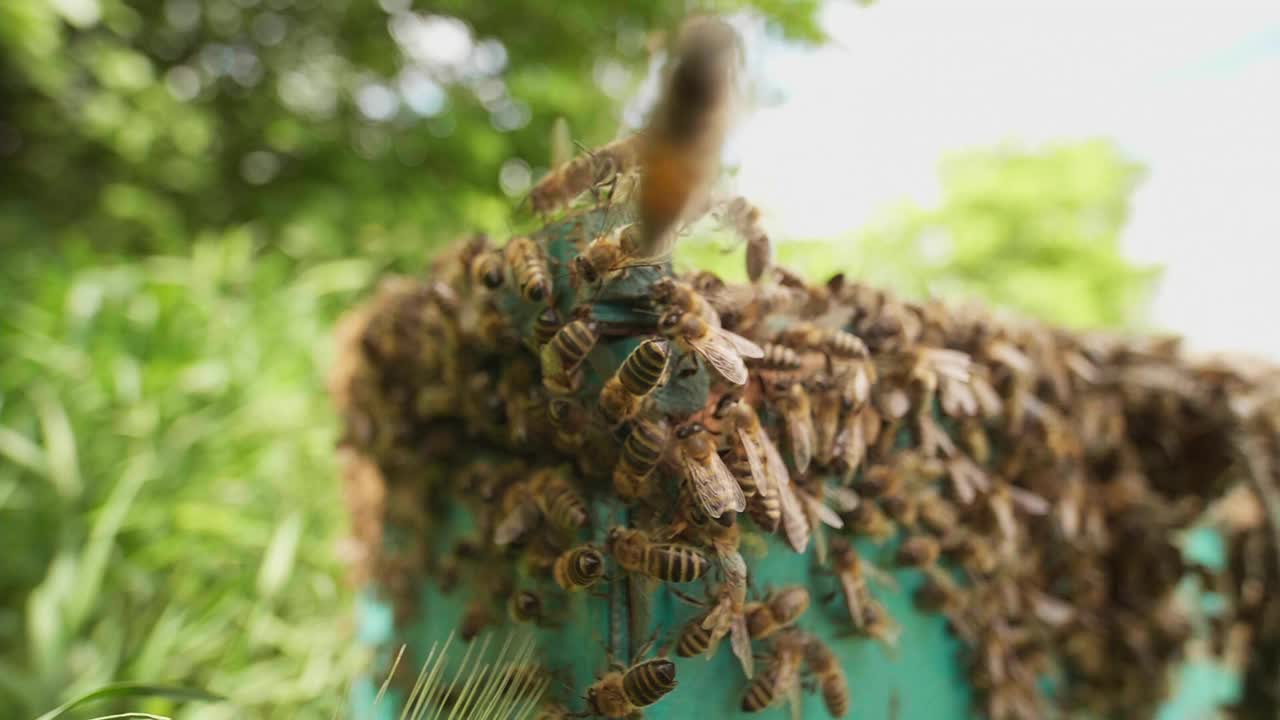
column 1189, row 89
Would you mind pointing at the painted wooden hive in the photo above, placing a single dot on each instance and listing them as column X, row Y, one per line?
column 781, row 494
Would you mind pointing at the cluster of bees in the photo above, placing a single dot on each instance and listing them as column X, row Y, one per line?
column 609, row 427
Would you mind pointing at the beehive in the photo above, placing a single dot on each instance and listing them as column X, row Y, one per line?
column 1014, row 496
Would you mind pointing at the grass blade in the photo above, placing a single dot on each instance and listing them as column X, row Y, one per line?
column 132, row 689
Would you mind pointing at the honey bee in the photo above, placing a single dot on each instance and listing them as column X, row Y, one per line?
column 710, row 483
column 822, row 662
column 765, row 509
column 609, row 256
column 768, row 471
column 744, row 218
column 620, row 693
column 918, row 551
column 777, row 611
column 568, row 420
column 793, row 401
column 779, row 358
column 720, row 348
column 635, row 552
column 487, row 270
column 528, row 265
column 641, row 452
column 526, row 607
column 877, row 623
column 702, row 634
column 594, row 169
column 517, row 514
column 639, row 374
column 578, row 568
column 867, row 519
column 558, row 501
column 545, row 326
column 795, row 521
column 937, row 515
column 835, row 343
column 681, row 149
column 780, row 678
column 848, row 567
column 565, row 352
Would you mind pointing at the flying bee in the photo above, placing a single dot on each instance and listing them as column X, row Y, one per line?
column 779, row 358
column 710, row 483
column 641, row 452
column 558, row 501
column 621, row 693
column 681, row 150
column 777, row 611
column 822, row 662
column 780, row 678
column 596, row 168
column 568, row 420
column 578, row 568
column 720, row 348
column 528, row 265
column 565, row 352
column 918, row 551
column 671, row 562
column 792, row 400
column 487, row 270
column 623, row 393
column 744, row 218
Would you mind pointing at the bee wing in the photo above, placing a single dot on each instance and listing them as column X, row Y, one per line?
column 849, row 588
column 821, row 512
column 773, row 463
column 800, row 430
column 795, row 525
column 515, row 524
column 721, row 355
column 755, row 452
column 743, row 346
column 740, row 641
column 713, row 485
column 1029, row 502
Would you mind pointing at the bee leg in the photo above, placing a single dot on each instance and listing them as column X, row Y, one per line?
column 690, row 600
column 645, row 648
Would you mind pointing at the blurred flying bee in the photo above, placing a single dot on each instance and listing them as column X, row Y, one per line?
column 558, row 500
column 609, row 256
column 779, row 358
column 623, row 393
column 578, row 568
column 823, row 664
column 671, row 562
column 641, row 452
column 622, row 692
column 710, row 483
column 487, row 270
column 593, row 169
column 744, row 218
column 792, row 400
column 777, row 611
column 720, row 348
column 681, row 149
column 562, row 356
column 528, row 265
column 780, row 678
column 918, row 551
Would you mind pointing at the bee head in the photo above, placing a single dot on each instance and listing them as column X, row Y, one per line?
column 584, row 269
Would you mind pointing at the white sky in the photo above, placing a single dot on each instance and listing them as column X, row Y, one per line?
column 1189, row 89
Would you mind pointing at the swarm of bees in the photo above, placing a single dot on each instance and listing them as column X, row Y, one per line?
column 606, row 423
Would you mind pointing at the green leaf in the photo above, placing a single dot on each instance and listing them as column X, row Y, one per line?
column 131, row 690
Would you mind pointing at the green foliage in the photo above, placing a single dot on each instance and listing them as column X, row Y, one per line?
column 127, row 690
column 1037, row 231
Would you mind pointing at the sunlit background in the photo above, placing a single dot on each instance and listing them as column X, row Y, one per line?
column 192, row 191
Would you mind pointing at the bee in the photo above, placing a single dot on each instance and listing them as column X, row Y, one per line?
column 594, row 169
column 780, row 677
column 610, row 255
column 710, row 483
column 702, row 634
column 620, row 693
column 695, row 638
column 641, row 452
column 720, row 348
column 475, row 619
column 937, row 515
column 565, row 352
column 558, row 501
column 568, row 420
column 639, row 374
column 681, row 149
column 823, row 664
column 528, row 265
column 526, row 607
column 835, row 343
column 744, row 218
column 671, row 562
column 545, row 326
column 795, row 521
column 779, row 358
column 768, row 471
column 902, row 507
column 918, row 551
column 487, row 270
column 867, row 519
column 518, row 513
column 793, row 401
column 877, row 623
column 938, row 593
column 851, row 573
column 778, row 611
column 765, row 509
column 578, row 568
column 827, row 415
